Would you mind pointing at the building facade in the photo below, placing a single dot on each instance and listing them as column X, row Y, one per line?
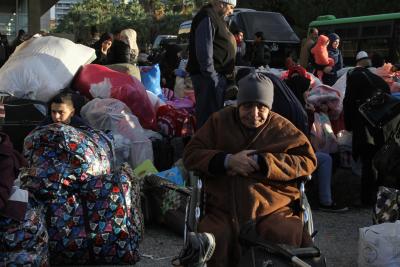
column 22, row 14
column 62, row 8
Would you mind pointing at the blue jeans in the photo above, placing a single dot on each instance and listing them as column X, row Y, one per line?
column 323, row 173
column 209, row 98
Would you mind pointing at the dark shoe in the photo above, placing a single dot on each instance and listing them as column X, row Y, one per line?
column 198, row 250
column 333, row 208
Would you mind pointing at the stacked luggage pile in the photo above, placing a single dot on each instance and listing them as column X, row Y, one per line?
column 84, row 203
column 88, row 202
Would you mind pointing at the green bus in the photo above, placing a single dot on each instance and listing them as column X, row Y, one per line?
column 374, row 33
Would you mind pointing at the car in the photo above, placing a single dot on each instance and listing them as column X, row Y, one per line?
column 163, row 40
column 279, row 37
column 184, row 27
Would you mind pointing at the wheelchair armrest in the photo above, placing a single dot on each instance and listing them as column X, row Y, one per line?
column 308, row 252
column 303, row 179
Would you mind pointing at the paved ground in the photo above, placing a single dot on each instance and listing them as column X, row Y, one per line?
column 337, row 233
column 337, row 238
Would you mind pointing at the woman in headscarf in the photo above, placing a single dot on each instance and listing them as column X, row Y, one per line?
column 102, row 47
column 336, row 55
column 128, row 36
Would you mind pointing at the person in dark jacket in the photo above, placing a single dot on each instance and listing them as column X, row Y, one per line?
column 377, row 60
column 10, row 163
column 212, row 50
column 241, row 48
column 361, row 85
column 119, row 51
column 102, row 47
column 334, row 53
column 4, row 49
column 62, row 110
column 18, row 40
column 258, row 51
column 169, row 62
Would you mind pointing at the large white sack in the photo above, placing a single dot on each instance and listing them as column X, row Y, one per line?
column 42, row 66
column 131, row 142
column 379, row 245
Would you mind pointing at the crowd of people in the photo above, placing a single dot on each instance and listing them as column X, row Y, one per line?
column 314, row 77
column 249, row 156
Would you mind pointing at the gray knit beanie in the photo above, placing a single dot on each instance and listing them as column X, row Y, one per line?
column 256, row 87
column 231, row 2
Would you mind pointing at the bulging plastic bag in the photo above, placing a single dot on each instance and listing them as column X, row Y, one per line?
column 322, row 137
column 104, row 82
column 151, row 78
column 41, row 67
column 326, row 95
column 379, row 245
column 131, row 143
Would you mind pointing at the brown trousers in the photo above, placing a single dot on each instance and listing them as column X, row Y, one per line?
column 281, row 226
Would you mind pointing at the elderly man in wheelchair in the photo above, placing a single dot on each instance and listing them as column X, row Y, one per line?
column 249, row 158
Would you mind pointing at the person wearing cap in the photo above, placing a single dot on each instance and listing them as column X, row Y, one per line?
column 244, row 154
column 363, row 60
column 212, row 52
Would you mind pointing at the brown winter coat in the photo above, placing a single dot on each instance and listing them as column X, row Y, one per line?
column 231, row 200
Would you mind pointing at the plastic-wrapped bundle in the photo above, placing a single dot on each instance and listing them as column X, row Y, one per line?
column 131, row 143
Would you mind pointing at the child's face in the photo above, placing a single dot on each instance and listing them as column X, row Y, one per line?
column 62, row 113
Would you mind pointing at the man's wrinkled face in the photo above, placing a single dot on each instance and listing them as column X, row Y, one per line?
column 61, row 112
column 253, row 115
column 225, row 9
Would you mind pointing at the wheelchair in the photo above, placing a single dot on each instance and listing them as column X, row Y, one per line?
column 257, row 252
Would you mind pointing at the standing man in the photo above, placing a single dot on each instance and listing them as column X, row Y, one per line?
column 258, row 51
column 306, row 46
column 212, row 50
